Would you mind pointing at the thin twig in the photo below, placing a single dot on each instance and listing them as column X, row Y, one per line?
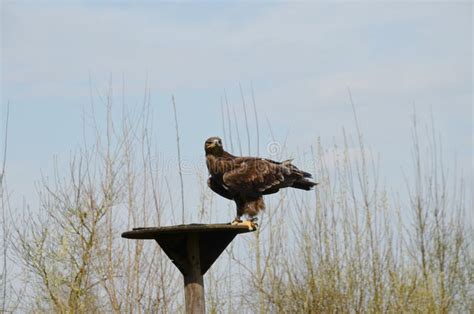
column 237, row 130
column 2, row 177
column 229, row 122
column 246, row 120
column 179, row 160
column 223, row 120
column 256, row 120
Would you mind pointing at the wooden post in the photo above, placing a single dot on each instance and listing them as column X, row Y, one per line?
column 193, row 279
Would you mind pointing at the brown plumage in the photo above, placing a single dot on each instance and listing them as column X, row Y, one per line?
column 246, row 179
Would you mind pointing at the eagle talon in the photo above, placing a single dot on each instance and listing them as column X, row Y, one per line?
column 236, row 221
column 250, row 224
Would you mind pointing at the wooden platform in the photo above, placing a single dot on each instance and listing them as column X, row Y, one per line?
column 193, row 249
column 212, row 238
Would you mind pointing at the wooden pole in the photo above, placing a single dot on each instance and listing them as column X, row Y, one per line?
column 193, row 279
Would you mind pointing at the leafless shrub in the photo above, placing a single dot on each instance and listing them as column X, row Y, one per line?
column 71, row 246
column 351, row 246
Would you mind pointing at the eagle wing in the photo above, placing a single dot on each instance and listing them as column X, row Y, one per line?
column 217, row 187
column 258, row 175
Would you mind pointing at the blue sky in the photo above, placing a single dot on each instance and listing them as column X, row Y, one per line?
column 299, row 57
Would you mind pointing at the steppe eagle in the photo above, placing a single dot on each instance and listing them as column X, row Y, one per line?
column 246, row 179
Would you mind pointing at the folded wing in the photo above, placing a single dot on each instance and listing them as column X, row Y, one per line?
column 265, row 176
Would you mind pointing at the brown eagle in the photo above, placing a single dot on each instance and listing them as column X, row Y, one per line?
column 246, row 179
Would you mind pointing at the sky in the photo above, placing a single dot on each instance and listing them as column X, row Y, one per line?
column 300, row 59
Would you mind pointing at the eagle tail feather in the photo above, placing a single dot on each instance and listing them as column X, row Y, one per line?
column 304, row 184
column 307, row 174
column 296, row 170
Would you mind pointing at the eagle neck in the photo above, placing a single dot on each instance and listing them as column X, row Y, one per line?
column 218, row 163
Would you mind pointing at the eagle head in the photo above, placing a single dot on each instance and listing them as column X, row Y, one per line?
column 213, row 146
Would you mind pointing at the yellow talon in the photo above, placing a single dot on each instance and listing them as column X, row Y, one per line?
column 247, row 223
column 236, row 222
column 250, row 224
